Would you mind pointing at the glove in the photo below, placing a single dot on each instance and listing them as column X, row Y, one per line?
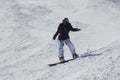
column 54, row 37
column 79, row 29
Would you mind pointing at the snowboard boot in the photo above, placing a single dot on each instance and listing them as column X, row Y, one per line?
column 61, row 59
column 75, row 56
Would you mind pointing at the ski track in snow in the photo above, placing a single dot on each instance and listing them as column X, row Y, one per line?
column 26, row 45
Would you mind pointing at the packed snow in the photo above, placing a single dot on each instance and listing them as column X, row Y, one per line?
column 27, row 47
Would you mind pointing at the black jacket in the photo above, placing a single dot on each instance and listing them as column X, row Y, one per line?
column 63, row 31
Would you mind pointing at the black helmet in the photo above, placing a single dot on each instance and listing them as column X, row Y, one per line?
column 65, row 20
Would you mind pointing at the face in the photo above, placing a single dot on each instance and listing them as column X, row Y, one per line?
column 65, row 23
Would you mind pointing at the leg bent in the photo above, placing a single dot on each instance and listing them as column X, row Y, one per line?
column 61, row 50
column 70, row 45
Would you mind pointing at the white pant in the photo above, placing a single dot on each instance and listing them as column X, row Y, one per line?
column 69, row 44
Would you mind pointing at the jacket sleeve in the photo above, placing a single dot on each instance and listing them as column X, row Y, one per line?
column 57, row 32
column 74, row 29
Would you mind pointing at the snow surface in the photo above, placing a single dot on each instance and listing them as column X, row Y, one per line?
column 26, row 45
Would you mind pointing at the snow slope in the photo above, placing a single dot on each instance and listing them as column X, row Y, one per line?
column 26, row 45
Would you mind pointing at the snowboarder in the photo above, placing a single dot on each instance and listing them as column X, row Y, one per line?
column 63, row 30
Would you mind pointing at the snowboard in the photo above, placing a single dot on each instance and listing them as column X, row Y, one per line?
column 54, row 64
column 85, row 55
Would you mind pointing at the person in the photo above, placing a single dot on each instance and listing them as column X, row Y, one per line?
column 63, row 30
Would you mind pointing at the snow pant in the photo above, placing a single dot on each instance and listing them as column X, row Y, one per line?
column 69, row 44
